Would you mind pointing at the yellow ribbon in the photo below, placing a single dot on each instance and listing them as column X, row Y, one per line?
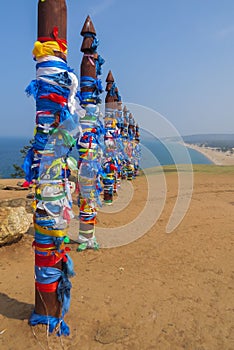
column 53, row 233
column 47, row 48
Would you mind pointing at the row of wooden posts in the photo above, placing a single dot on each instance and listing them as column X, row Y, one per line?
column 49, row 163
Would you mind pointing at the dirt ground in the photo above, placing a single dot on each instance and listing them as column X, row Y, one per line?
column 161, row 292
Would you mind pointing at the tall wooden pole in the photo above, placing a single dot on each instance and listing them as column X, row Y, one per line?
column 137, row 150
column 48, row 163
column 88, row 145
column 131, row 139
column 120, row 147
column 110, row 162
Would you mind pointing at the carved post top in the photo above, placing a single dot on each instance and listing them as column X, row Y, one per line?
column 88, row 27
column 91, row 63
column 110, row 78
column 90, row 42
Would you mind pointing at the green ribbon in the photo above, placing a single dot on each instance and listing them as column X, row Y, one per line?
column 69, row 141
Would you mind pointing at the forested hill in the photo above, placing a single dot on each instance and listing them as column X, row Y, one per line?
column 211, row 140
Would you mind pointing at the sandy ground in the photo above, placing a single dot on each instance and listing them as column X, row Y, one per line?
column 161, row 292
column 218, row 158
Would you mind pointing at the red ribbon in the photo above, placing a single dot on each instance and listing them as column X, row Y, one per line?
column 46, row 288
column 40, row 245
column 113, row 167
column 62, row 42
column 91, row 221
column 51, row 259
column 47, row 260
column 84, row 202
column 56, row 98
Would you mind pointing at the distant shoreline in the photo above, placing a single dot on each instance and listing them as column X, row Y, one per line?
column 215, row 156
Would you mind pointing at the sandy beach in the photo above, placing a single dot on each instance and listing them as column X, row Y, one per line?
column 160, row 292
column 217, row 157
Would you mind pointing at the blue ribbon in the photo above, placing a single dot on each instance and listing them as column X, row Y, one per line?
column 38, row 88
column 44, row 239
column 60, row 78
column 51, row 321
column 55, row 64
column 63, row 292
column 86, row 81
column 112, row 90
column 99, row 62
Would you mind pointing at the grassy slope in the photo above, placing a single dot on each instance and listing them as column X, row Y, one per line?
column 203, row 168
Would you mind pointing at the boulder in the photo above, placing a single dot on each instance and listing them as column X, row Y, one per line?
column 14, row 220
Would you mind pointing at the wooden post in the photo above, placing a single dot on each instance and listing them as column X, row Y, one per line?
column 110, row 163
column 90, row 89
column 52, row 24
column 49, row 169
column 137, row 150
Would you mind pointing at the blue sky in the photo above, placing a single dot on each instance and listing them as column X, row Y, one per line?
column 174, row 56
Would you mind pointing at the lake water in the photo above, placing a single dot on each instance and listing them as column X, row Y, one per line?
column 164, row 155
column 155, row 153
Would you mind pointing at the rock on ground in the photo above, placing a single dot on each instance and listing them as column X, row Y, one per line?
column 14, row 220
